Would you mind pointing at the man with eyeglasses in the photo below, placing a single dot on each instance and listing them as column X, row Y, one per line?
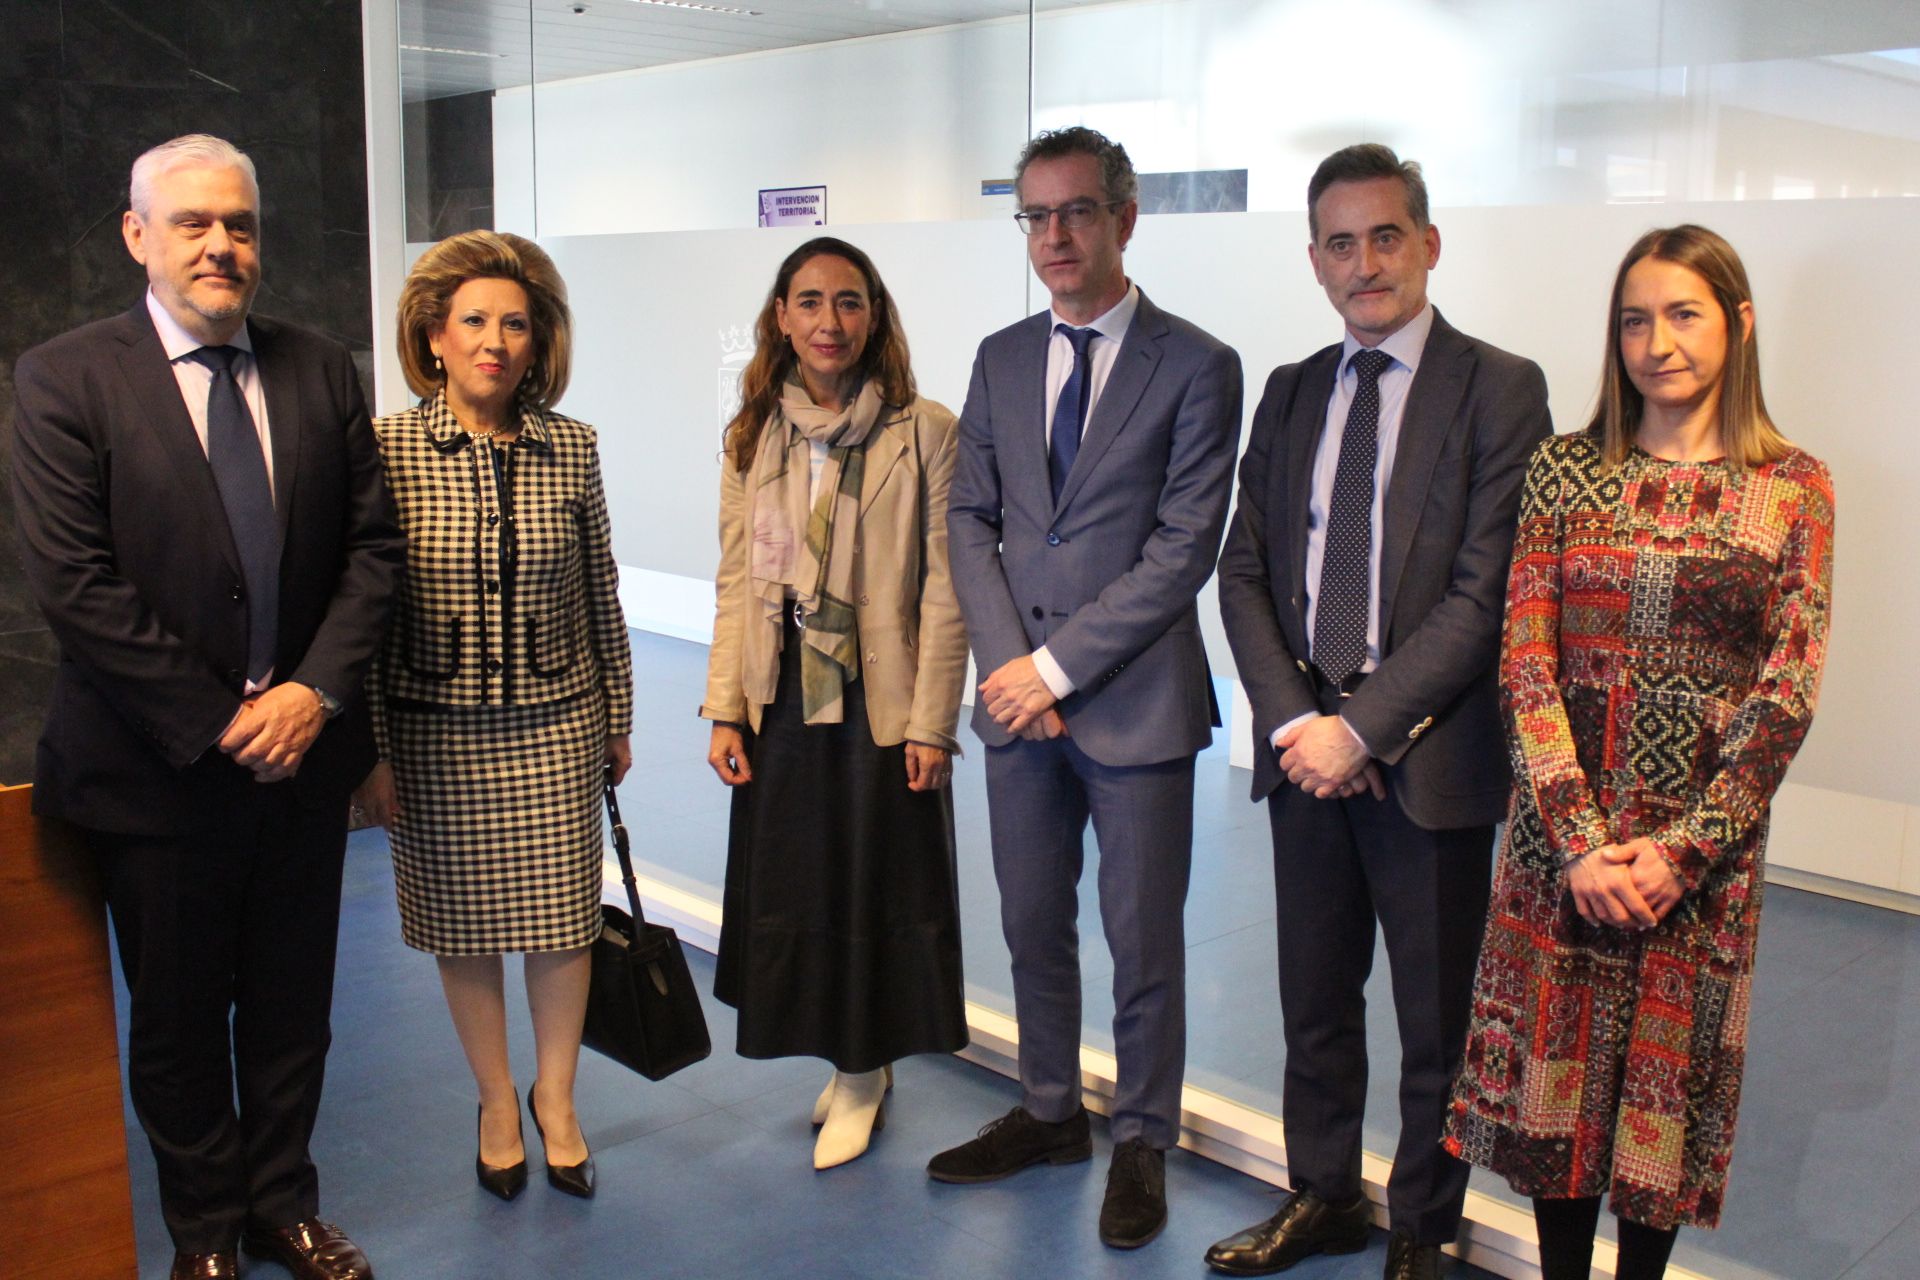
column 1362, row 588
column 1088, row 500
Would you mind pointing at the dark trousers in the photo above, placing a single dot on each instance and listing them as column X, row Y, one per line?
column 1040, row 796
column 1340, row 866
column 227, row 942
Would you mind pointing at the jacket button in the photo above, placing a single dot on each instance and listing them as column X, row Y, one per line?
column 1300, row 663
column 493, row 585
column 237, row 592
column 872, row 658
column 493, row 664
column 1038, row 613
column 1053, row 539
column 493, row 518
column 863, row 599
column 233, row 675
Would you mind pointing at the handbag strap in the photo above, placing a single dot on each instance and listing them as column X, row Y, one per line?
column 622, row 846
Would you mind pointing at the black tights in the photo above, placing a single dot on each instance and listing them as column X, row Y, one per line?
column 1566, row 1242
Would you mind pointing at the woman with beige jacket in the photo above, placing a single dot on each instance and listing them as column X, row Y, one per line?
column 834, row 686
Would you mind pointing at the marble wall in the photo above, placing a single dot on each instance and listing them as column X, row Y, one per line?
column 85, row 86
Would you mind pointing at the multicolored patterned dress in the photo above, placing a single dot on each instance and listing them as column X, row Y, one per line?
column 1666, row 625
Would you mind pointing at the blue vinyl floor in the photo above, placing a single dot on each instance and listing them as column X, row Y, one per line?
column 709, row 1174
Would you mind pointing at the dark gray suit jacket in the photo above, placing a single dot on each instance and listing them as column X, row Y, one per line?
column 1106, row 578
column 127, row 549
column 1430, row 711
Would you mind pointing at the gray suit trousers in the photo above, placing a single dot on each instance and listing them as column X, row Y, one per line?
column 1040, row 795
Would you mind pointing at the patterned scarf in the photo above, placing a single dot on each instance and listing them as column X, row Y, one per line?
column 817, row 568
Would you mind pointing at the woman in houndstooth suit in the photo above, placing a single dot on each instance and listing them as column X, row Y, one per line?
column 505, row 685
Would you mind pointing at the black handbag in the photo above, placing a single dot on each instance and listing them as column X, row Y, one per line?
column 642, row 1009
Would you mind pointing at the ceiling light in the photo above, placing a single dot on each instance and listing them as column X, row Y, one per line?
column 702, row 8
column 464, row 53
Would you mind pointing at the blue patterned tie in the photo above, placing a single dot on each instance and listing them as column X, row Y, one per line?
column 240, row 473
column 1340, row 615
column 1070, row 410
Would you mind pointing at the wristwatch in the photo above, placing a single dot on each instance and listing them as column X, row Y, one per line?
column 328, row 703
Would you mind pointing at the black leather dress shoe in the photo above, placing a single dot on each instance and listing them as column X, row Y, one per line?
column 311, row 1250
column 574, row 1179
column 1305, row 1225
column 1012, row 1143
column 503, row 1180
column 205, row 1266
column 1409, row 1261
column 1135, row 1209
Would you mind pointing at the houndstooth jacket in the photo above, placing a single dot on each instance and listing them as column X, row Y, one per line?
column 511, row 594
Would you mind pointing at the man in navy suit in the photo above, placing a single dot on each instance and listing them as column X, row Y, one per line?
column 1088, row 501
column 203, row 520
column 1362, row 586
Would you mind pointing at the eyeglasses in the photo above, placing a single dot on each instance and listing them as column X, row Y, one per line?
column 1074, row 215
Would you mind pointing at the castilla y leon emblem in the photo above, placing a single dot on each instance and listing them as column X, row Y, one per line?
column 736, row 348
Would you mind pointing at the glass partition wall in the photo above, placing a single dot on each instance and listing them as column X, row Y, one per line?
column 643, row 143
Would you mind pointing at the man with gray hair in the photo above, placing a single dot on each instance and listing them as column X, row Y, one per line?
column 1088, row 500
column 203, row 520
column 1362, row 586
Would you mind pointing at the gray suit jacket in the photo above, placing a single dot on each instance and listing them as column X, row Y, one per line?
column 1106, row 578
column 1430, row 711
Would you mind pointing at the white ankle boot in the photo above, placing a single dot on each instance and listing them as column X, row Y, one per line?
column 825, row 1100
column 854, row 1111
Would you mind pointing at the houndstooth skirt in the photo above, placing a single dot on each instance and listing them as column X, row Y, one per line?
column 499, row 841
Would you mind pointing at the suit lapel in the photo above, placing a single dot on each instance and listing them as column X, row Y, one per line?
column 1306, row 423
column 280, row 382
column 1025, row 441
column 161, row 410
column 1430, row 416
column 883, row 454
column 1133, row 367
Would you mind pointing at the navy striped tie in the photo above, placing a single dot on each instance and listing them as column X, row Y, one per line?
column 240, row 473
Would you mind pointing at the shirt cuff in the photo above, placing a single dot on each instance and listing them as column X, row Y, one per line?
column 1290, row 726
column 1051, row 675
column 1348, row 726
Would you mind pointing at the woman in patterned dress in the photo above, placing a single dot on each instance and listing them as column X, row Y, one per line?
column 1666, row 625
column 505, row 687
column 834, row 687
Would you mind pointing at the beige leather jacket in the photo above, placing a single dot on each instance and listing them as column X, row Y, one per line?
column 912, row 641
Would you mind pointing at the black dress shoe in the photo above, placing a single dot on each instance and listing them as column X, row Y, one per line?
column 1012, row 1143
column 1135, row 1209
column 574, row 1179
column 1409, row 1261
column 310, row 1250
column 1305, row 1225
column 205, row 1266
column 503, row 1180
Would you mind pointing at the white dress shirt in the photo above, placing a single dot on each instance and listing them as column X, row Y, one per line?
column 1108, row 332
column 1404, row 347
column 196, row 380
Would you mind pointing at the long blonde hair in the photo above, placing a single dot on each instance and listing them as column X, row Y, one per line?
column 885, row 360
column 1747, row 432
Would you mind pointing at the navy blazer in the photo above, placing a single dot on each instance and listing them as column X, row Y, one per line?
column 1106, row 577
column 127, row 549
column 1430, row 712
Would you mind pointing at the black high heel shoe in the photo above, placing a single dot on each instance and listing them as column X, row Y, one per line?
column 505, row 1181
column 574, row 1179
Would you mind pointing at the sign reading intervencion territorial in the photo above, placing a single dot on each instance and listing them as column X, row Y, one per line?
column 793, row 207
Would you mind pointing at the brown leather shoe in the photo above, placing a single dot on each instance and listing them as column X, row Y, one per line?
column 205, row 1266
column 311, row 1250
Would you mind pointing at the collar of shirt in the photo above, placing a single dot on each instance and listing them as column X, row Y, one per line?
column 1111, row 325
column 178, row 343
column 1404, row 345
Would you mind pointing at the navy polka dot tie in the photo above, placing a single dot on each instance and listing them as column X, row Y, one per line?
column 1340, row 615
